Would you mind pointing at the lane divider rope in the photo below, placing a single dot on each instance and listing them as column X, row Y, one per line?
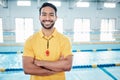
column 74, row 50
column 10, row 69
column 73, row 67
column 96, row 65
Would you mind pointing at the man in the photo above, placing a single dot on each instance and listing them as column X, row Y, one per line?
column 47, row 53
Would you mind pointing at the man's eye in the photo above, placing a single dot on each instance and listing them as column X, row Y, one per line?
column 51, row 14
column 43, row 14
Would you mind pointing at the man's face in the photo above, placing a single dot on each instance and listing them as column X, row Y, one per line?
column 47, row 17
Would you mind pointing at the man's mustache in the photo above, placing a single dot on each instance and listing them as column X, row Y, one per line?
column 47, row 21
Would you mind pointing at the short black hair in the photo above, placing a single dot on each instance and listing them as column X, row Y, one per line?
column 49, row 5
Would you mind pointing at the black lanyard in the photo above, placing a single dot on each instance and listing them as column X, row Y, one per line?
column 48, row 41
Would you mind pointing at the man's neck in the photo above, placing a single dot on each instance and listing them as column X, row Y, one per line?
column 48, row 32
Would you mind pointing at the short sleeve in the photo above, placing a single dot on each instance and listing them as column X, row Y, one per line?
column 28, row 51
column 66, row 47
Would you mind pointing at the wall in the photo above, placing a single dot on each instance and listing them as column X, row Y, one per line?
column 95, row 12
column 68, row 14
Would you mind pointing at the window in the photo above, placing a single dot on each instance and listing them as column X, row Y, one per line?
column 81, row 30
column 107, row 28
column 24, row 3
column 56, row 3
column 109, row 5
column 59, row 25
column 82, row 4
column 1, row 31
column 24, row 28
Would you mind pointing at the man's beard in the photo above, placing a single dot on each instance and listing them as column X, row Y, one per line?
column 47, row 27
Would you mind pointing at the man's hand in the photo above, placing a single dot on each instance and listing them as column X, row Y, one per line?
column 62, row 64
column 61, row 58
column 31, row 68
column 39, row 62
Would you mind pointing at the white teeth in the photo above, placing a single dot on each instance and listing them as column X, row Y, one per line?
column 47, row 22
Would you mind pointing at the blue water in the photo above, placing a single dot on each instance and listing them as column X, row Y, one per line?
column 79, row 58
column 10, row 60
column 101, row 57
column 13, row 76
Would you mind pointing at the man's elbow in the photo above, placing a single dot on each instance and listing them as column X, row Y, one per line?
column 67, row 68
column 26, row 71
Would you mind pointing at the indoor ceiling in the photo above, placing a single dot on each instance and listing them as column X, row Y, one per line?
column 88, row 0
column 4, row 2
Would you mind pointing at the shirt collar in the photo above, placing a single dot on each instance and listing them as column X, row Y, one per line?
column 53, row 34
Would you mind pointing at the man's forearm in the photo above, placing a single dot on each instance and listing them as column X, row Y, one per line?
column 54, row 66
column 30, row 68
column 60, row 65
column 40, row 71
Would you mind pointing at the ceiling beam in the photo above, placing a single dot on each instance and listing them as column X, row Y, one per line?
column 72, row 3
column 4, row 3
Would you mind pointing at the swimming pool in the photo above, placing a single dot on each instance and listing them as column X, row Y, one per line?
column 85, row 66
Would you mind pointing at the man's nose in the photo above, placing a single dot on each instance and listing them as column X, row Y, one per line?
column 48, row 17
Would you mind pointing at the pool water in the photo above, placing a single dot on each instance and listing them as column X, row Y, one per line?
column 79, row 58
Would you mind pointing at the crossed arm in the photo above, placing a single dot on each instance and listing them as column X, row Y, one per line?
column 30, row 68
column 44, row 68
column 63, row 64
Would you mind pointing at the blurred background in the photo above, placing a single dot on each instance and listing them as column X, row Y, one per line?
column 93, row 26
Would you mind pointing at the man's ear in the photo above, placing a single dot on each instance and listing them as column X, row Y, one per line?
column 39, row 17
column 56, row 18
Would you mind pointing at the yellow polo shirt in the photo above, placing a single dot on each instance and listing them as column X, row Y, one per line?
column 36, row 46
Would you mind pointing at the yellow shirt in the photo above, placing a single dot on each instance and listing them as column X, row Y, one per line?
column 36, row 47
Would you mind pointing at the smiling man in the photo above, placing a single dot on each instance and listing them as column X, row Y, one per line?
column 47, row 53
